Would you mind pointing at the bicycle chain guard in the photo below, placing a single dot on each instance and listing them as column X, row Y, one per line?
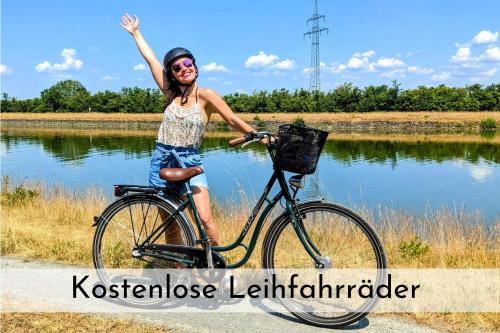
column 196, row 254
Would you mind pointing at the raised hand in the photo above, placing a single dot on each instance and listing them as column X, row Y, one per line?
column 130, row 24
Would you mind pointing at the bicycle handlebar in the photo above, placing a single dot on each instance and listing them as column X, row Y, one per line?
column 249, row 137
column 237, row 141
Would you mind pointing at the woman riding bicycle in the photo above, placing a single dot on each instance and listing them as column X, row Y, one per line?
column 186, row 115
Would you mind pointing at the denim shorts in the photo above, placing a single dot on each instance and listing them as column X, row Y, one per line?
column 165, row 156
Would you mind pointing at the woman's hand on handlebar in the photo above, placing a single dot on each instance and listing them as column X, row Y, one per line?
column 263, row 137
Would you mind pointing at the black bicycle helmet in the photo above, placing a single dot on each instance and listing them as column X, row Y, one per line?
column 175, row 53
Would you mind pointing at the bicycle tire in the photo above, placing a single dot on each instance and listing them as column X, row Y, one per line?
column 113, row 250
column 341, row 228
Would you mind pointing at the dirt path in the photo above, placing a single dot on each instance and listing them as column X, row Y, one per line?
column 242, row 322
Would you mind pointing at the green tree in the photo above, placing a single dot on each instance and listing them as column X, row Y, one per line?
column 137, row 100
column 106, row 101
column 66, row 96
column 344, row 98
column 6, row 103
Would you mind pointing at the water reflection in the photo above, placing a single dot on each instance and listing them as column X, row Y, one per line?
column 79, row 147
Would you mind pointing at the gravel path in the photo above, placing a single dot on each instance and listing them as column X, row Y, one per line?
column 243, row 322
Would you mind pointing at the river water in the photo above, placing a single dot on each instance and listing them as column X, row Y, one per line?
column 402, row 174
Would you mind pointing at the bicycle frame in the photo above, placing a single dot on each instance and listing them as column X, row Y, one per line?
column 291, row 210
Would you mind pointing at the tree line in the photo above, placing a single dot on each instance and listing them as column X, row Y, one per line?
column 72, row 96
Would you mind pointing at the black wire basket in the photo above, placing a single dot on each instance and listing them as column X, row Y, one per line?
column 298, row 148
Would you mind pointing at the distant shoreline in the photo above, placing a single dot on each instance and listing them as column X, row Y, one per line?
column 384, row 122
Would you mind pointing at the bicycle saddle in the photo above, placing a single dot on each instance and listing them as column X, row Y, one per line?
column 179, row 174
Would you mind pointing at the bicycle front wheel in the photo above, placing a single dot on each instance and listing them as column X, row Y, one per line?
column 339, row 239
column 127, row 224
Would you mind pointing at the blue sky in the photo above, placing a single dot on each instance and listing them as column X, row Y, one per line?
column 250, row 45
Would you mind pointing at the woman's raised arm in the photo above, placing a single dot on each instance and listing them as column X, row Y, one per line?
column 131, row 25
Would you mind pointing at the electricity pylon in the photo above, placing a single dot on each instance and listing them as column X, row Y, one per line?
column 314, row 33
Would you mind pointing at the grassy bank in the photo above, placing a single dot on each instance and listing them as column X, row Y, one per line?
column 440, row 117
column 401, row 137
column 390, row 122
column 55, row 225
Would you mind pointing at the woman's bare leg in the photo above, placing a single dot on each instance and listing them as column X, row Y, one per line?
column 173, row 234
column 202, row 201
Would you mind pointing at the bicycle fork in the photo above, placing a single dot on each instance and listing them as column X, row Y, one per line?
column 298, row 225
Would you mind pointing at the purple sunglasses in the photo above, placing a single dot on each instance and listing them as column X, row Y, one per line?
column 187, row 63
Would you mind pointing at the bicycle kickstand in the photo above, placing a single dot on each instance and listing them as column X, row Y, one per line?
column 208, row 251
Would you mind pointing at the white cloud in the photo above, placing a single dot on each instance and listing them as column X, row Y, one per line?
column 394, row 73
column 4, row 69
column 419, row 70
column 366, row 54
column 359, row 60
column 471, row 64
column 213, row 67
column 490, row 72
column 443, row 76
column 336, row 68
column 44, row 66
column 140, row 67
column 389, row 63
column 109, row 78
column 481, row 172
column 212, row 79
column 260, row 60
column 285, row 64
column 357, row 63
column 485, row 37
column 69, row 63
column 491, row 54
column 263, row 73
column 462, row 55
column 413, row 53
column 62, row 76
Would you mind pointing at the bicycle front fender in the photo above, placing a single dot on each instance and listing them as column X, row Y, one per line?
column 283, row 215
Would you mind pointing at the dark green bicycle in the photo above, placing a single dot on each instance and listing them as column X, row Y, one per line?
column 147, row 227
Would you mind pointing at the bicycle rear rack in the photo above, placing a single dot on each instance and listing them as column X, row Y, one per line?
column 122, row 189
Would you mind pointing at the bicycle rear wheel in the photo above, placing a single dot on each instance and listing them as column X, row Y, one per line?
column 344, row 241
column 124, row 225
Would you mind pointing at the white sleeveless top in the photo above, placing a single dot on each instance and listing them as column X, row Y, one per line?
column 182, row 126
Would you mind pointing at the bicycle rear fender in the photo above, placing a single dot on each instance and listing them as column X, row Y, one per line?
column 172, row 201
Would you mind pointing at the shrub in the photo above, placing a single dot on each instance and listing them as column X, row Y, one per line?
column 488, row 124
column 259, row 122
column 19, row 196
column 413, row 248
column 222, row 126
column 299, row 122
